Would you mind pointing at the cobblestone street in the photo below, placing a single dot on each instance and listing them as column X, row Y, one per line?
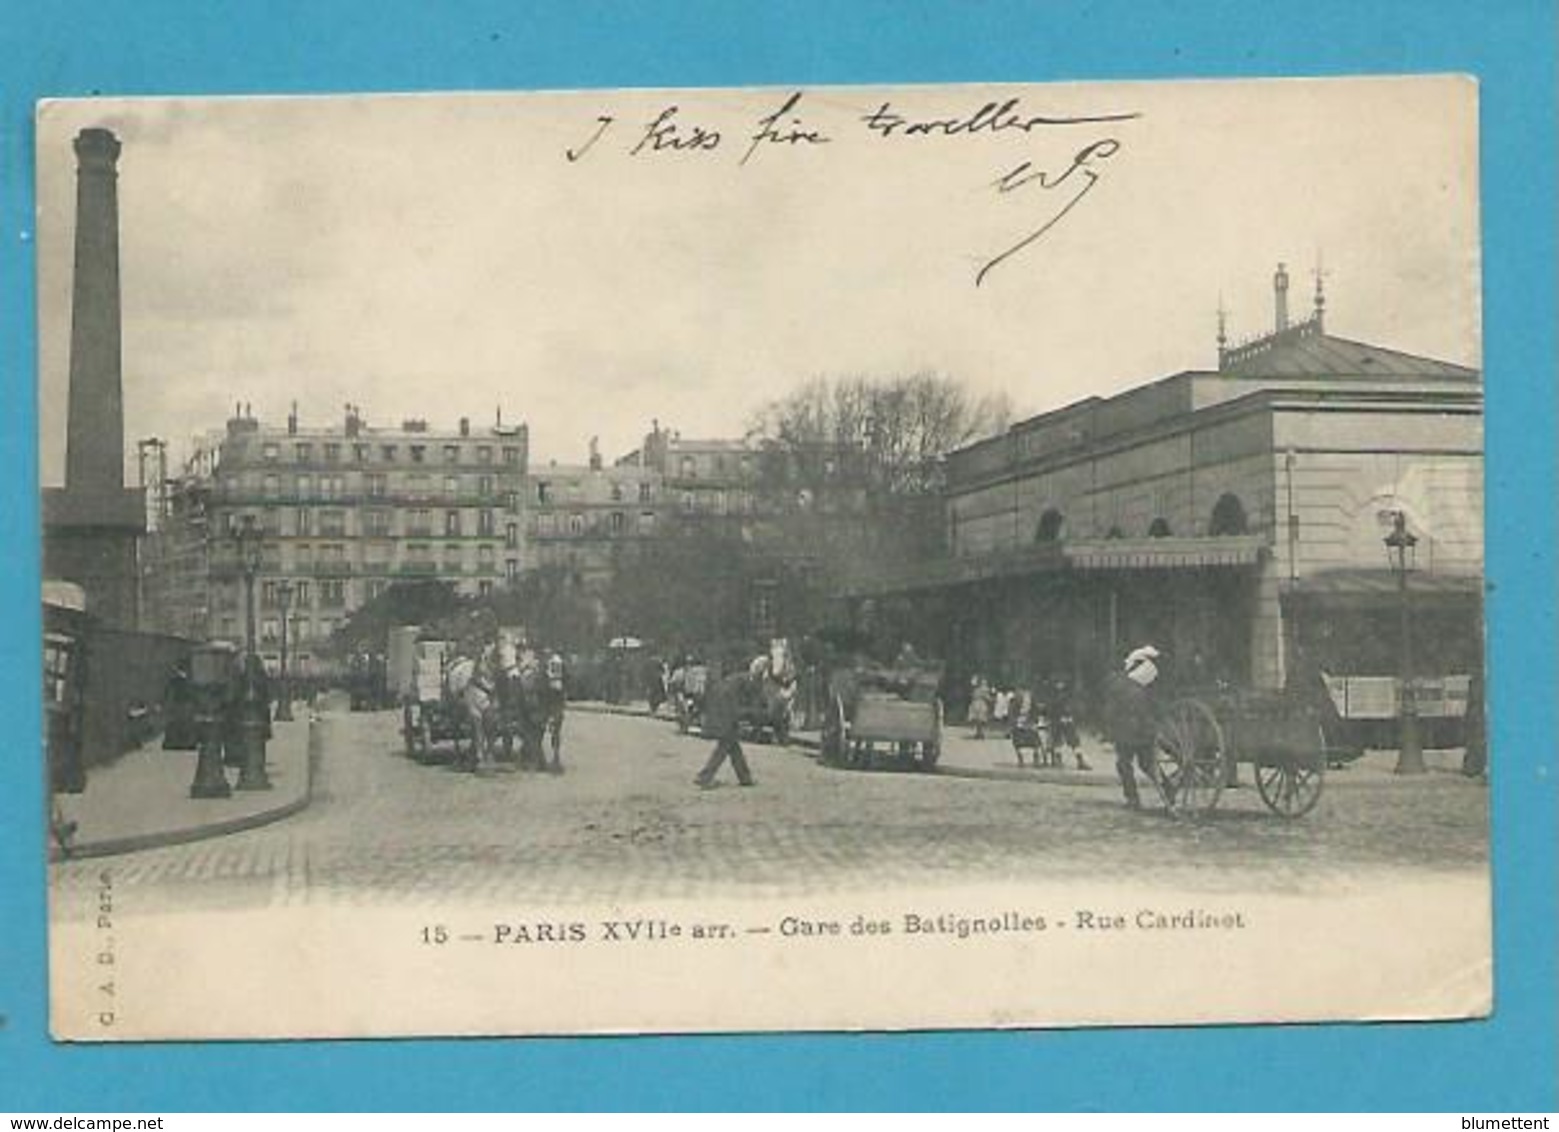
column 625, row 823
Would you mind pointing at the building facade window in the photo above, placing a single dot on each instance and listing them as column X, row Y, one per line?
column 332, row 523
column 484, row 486
column 484, row 558
column 646, row 522
column 646, row 492
column 270, row 452
column 484, row 523
column 1228, row 517
column 617, row 522
column 451, row 453
column 418, row 452
column 332, row 593
column 302, row 521
column 419, row 522
column 484, row 454
column 452, row 524
column 332, row 453
column 304, row 485
column 376, row 484
column 451, row 486
column 272, row 486
column 576, row 524
column 376, row 523
column 511, row 455
column 388, row 452
column 453, row 563
column 543, row 492
column 511, row 568
column 303, row 452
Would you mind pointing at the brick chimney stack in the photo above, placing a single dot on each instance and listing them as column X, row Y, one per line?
column 91, row 526
column 94, row 443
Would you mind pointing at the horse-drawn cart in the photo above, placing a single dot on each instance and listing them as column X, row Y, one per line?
column 883, row 717
column 1201, row 738
column 430, row 715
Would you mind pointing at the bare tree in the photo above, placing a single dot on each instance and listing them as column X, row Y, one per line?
column 889, row 434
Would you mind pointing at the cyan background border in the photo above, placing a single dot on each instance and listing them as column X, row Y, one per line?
column 168, row 47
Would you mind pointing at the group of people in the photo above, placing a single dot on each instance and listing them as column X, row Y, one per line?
column 1044, row 721
column 1039, row 720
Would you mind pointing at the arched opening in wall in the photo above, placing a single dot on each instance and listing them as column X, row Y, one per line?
column 1050, row 526
column 1159, row 528
column 1228, row 517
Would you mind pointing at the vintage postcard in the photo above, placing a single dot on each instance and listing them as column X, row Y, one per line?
column 764, row 559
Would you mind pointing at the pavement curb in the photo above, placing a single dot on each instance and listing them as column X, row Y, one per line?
column 183, row 836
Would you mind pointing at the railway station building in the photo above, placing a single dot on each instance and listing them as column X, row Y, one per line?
column 1236, row 518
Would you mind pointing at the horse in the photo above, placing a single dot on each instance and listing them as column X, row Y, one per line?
column 471, row 688
column 545, row 700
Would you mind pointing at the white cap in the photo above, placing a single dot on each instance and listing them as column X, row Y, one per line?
column 1140, row 666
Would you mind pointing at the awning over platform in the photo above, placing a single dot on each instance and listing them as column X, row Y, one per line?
column 1223, row 552
column 1165, row 553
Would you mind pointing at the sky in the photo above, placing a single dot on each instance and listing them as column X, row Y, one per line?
column 440, row 256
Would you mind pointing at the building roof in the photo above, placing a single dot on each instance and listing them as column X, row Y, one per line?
column 1307, row 351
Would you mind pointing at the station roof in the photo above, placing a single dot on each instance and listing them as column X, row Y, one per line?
column 1307, row 352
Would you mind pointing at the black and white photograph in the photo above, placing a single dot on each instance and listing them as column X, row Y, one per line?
column 782, row 558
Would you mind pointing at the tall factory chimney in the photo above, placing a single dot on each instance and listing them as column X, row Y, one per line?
column 94, row 443
column 92, row 527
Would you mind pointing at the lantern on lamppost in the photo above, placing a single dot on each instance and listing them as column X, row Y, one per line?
column 1399, row 549
column 284, row 700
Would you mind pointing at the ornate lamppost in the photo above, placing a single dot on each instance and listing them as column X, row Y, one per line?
column 1400, row 543
column 254, row 700
column 247, row 549
column 284, row 701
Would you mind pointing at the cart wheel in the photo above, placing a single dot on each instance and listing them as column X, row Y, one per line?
column 1291, row 788
column 931, row 750
column 1189, row 758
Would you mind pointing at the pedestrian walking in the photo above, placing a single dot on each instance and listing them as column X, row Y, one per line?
column 979, row 705
column 1061, row 725
column 1001, row 708
column 1129, row 703
column 724, row 705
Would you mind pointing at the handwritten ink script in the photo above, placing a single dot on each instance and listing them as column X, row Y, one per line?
column 1039, row 192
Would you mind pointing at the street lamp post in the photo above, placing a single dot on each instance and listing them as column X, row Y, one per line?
column 1410, row 752
column 284, row 701
column 247, row 538
column 254, row 705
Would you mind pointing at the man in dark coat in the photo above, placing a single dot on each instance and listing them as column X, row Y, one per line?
column 1129, row 710
column 723, row 708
